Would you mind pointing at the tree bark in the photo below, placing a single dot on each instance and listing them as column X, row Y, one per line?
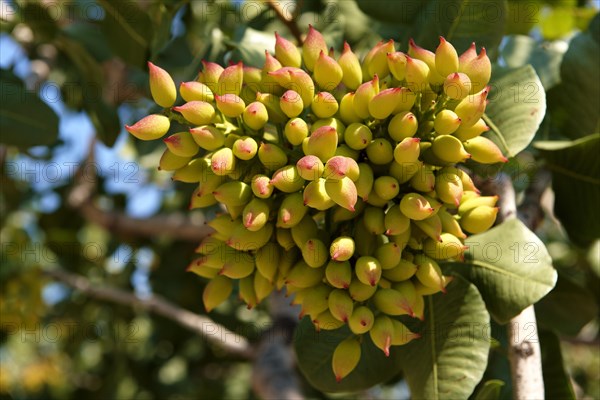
column 205, row 327
column 523, row 341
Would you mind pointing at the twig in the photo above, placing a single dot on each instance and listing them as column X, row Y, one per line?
column 176, row 225
column 214, row 333
column 288, row 20
column 274, row 376
column 524, row 348
column 530, row 210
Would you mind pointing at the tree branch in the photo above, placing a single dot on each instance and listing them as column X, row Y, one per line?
column 288, row 20
column 274, row 375
column 205, row 327
column 524, row 346
column 175, row 225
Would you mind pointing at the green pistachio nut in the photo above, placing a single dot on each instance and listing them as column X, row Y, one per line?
column 484, row 151
column 415, row 206
column 449, row 149
column 339, row 274
column 446, row 58
column 151, row 127
column 291, row 211
column 403, row 125
column 457, row 86
column 380, row 151
column 196, row 91
column 181, row 144
column 230, row 80
column 286, row 52
column 345, row 358
column 197, row 112
column 351, row 69
column 272, row 156
column 216, row 292
column 324, row 105
column 162, row 87
column 312, row 47
column 368, row 270
column 327, row 73
column 287, row 179
column 446, row 122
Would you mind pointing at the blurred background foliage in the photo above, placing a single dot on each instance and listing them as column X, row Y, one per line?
column 72, row 73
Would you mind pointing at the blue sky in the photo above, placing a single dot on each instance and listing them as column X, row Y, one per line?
column 124, row 175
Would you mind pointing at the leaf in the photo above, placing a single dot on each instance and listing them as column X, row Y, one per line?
column 509, row 265
column 490, row 390
column 545, row 58
column 251, row 47
column 567, row 308
column 38, row 17
column 575, row 103
column 459, row 21
column 128, row 30
column 25, row 120
column 314, row 351
column 522, row 16
column 449, row 359
column 516, row 109
column 91, row 38
column 557, row 23
column 575, row 170
column 557, row 383
column 106, row 121
column 380, row 10
column 104, row 116
column 498, row 367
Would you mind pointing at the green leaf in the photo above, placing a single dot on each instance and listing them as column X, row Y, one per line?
column 314, row 351
column 128, row 30
column 106, row 121
column 25, row 120
column 498, row 367
column 104, row 116
column 575, row 170
column 38, row 17
column 449, row 359
column 251, row 47
column 522, row 16
column 545, row 58
column 459, row 21
column 516, row 109
column 91, row 38
column 509, row 265
column 490, row 390
column 557, row 23
column 380, row 10
column 557, row 384
column 567, row 308
column 575, row 103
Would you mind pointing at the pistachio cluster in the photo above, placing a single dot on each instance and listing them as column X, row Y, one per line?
column 338, row 177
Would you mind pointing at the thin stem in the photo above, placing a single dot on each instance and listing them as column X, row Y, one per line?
column 288, row 20
column 203, row 326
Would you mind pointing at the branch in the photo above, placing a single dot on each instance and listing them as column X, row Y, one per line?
column 524, row 346
column 530, row 210
column 201, row 325
column 274, row 375
column 176, row 225
column 288, row 20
